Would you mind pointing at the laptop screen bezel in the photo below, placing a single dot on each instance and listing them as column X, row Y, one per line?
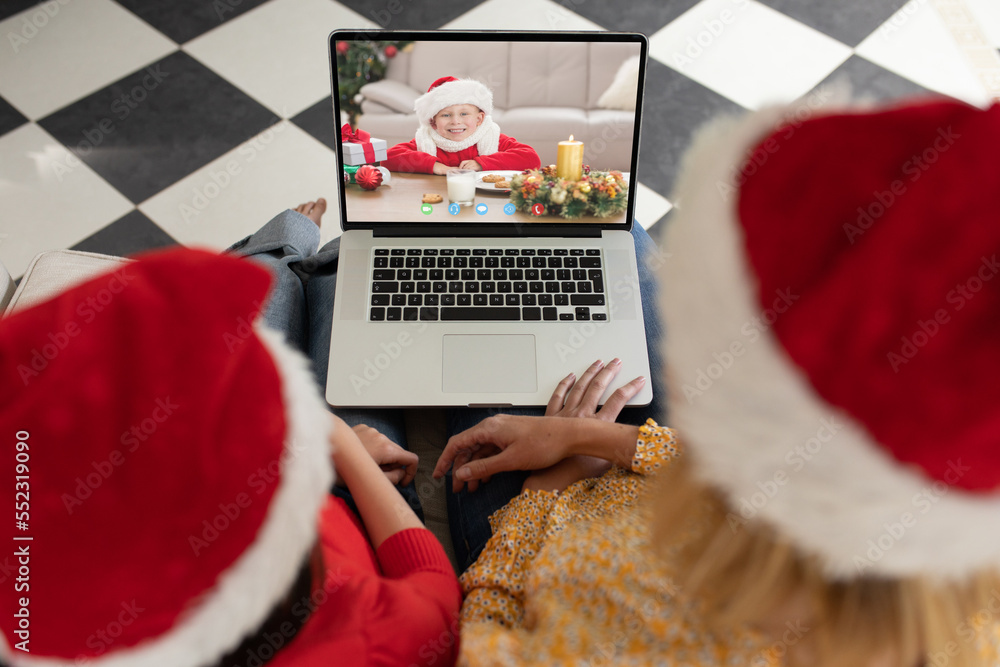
column 493, row 228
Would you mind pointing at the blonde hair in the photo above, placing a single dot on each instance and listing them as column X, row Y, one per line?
column 741, row 571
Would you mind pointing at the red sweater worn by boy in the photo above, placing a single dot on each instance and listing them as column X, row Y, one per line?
column 511, row 155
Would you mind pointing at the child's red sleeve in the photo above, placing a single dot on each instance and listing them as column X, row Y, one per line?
column 409, row 614
column 397, row 605
column 510, row 155
column 406, row 157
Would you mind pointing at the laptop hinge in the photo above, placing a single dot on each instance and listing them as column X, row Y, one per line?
column 464, row 231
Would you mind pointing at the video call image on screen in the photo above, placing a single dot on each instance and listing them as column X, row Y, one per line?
column 455, row 125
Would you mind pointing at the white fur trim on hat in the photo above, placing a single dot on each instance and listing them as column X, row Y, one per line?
column 757, row 430
column 462, row 91
column 246, row 593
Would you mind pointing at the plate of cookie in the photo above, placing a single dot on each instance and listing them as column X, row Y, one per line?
column 495, row 181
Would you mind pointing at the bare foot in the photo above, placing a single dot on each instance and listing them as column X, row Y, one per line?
column 313, row 210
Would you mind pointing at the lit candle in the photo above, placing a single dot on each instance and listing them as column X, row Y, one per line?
column 569, row 159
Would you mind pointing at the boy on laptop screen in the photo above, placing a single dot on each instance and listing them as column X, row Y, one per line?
column 498, row 109
column 457, row 130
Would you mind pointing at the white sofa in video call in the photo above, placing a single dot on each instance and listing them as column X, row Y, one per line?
column 542, row 93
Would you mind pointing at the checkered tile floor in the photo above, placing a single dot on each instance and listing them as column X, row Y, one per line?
column 136, row 124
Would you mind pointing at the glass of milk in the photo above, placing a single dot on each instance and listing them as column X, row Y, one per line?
column 461, row 186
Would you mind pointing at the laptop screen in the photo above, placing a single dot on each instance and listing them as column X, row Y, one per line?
column 468, row 128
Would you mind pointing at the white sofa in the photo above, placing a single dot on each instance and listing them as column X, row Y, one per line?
column 6, row 287
column 51, row 273
column 542, row 93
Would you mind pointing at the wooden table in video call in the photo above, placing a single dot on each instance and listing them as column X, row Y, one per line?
column 401, row 202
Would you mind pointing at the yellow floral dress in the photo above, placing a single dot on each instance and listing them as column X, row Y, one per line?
column 568, row 578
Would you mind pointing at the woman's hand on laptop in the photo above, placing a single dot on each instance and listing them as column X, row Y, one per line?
column 579, row 398
column 572, row 425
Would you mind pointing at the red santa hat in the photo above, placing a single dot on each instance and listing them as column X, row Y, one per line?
column 833, row 303
column 448, row 91
column 176, row 454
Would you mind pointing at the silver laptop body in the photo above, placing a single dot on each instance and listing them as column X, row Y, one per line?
column 434, row 355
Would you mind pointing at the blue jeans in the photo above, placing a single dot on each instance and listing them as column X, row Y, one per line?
column 301, row 306
column 468, row 513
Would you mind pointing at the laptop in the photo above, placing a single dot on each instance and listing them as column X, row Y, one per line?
column 452, row 296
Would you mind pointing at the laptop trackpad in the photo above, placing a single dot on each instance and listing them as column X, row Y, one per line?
column 489, row 363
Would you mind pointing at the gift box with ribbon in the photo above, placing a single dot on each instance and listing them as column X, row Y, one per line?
column 360, row 148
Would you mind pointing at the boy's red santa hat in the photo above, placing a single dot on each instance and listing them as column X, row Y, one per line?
column 833, row 308
column 448, row 91
column 177, row 456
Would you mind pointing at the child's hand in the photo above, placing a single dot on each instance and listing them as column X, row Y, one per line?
column 383, row 512
column 398, row 464
column 470, row 164
column 441, row 169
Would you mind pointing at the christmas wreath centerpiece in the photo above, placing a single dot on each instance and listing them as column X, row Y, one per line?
column 602, row 194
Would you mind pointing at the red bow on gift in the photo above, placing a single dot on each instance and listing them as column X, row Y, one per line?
column 347, row 135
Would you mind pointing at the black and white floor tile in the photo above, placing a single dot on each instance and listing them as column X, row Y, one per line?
column 127, row 125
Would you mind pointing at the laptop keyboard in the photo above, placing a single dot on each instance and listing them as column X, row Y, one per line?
column 487, row 284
